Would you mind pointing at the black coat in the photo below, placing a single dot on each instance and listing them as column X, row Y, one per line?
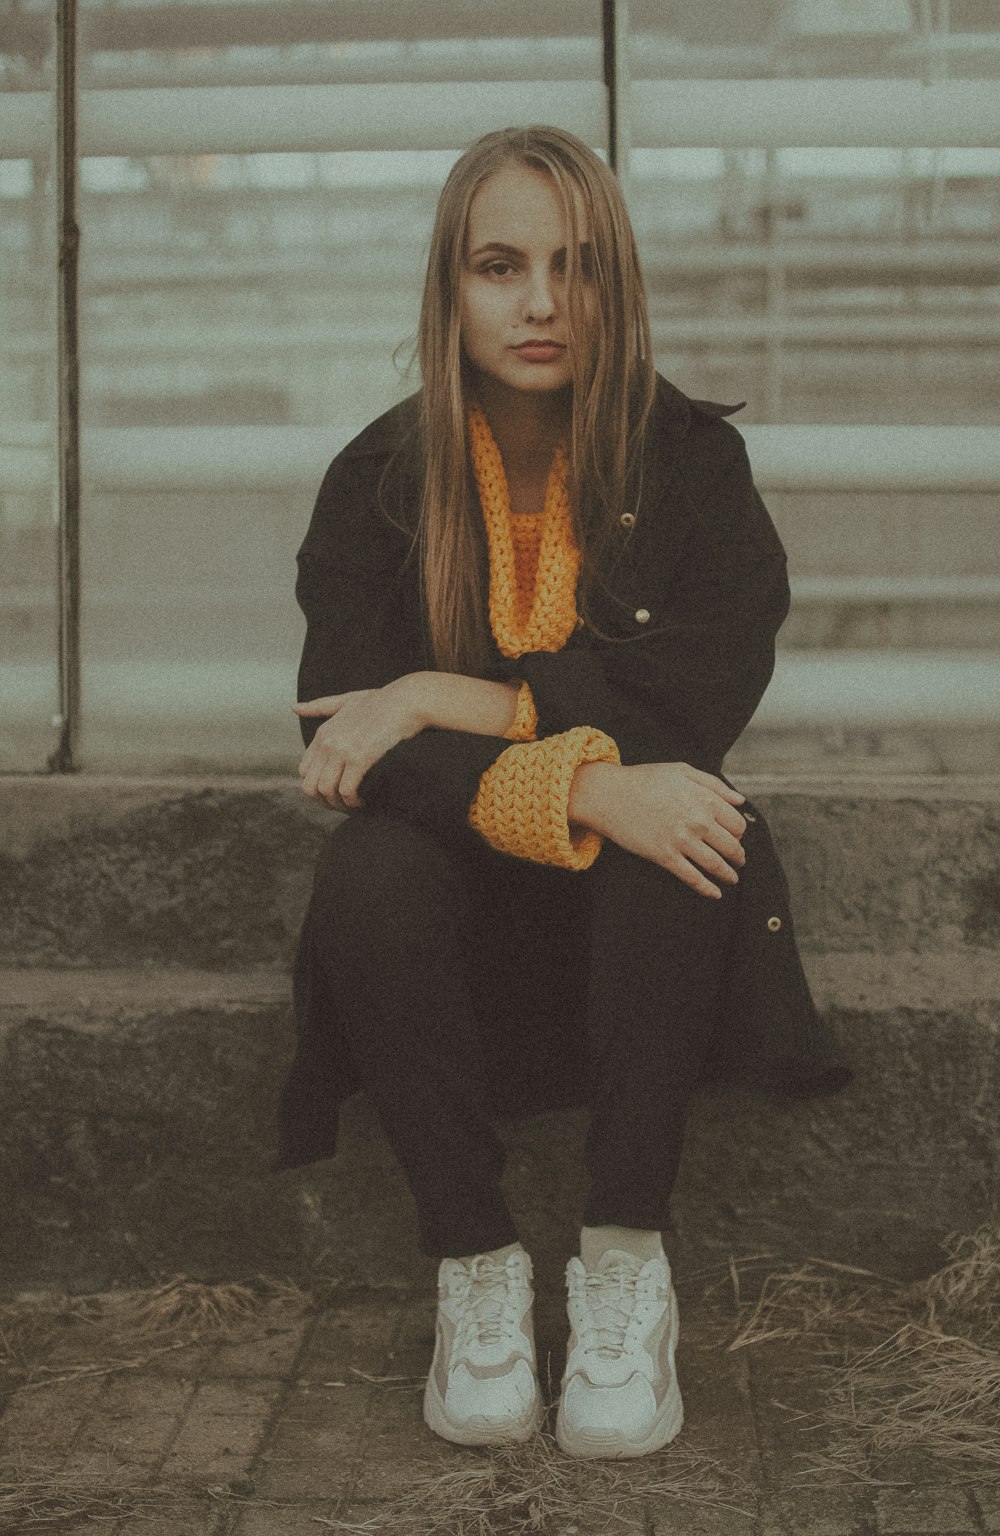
column 704, row 562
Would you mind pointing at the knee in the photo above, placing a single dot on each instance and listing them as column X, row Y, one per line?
column 645, row 897
column 374, row 867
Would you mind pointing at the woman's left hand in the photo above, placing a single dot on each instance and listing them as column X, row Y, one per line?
column 361, row 727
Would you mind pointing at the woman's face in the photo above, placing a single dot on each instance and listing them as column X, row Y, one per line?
column 514, row 315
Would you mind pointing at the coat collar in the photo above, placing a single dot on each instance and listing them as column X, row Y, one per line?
column 398, row 429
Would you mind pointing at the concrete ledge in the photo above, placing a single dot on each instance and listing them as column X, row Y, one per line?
column 137, row 1122
column 216, row 873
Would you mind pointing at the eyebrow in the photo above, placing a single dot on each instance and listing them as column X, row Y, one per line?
column 512, row 250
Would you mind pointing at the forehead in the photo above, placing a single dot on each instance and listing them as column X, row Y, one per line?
column 521, row 206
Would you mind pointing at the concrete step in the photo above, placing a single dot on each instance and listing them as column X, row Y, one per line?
column 137, row 1112
column 215, row 873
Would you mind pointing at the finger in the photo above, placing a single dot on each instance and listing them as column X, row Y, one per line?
column 712, row 863
column 710, row 781
column 319, row 764
column 727, row 816
column 307, row 708
column 328, row 784
column 687, row 872
column 349, row 787
column 725, row 843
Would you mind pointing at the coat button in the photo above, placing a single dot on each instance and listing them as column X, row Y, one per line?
column 774, row 923
column 642, row 616
column 627, row 519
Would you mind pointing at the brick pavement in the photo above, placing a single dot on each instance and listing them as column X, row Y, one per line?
column 307, row 1418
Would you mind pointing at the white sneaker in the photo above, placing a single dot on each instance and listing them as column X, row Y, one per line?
column 482, row 1388
column 620, row 1395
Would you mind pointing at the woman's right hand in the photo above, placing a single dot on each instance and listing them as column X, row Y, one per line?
column 675, row 815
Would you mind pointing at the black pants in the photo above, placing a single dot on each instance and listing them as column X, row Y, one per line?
column 469, row 984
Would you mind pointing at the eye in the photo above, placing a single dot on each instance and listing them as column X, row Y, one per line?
column 497, row 268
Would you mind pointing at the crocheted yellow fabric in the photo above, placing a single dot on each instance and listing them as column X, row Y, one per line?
column 521, row 807
column 525, row 726
column 533, row 572
column 522, row 804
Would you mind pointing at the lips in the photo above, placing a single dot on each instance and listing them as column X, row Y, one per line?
column 540, row 351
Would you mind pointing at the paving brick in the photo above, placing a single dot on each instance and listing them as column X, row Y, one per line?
column 399, row 1447
column 314, row 1445
column 268, row 1350
column 286, row 1520
column 130, row 1426
column 718, row 1411
column 936, row 1511
column 352, row 1338
column 177, row 1521
column 820, row 1512
column 40, row 1424
column 988, row 1501
column 670, row 1517
column 789, row 1413
column 222, row 1430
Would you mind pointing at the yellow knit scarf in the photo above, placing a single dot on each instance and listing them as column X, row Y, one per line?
column 530, row 609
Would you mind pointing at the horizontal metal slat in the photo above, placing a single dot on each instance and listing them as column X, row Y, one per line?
column 836, row 458
column 664, row 114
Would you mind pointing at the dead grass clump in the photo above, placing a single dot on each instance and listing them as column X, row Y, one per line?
column 814, row 1302
column 968, row 1288
column 49, row 1339
column 509, row 1490
column 919, row 1391
column 917, row 1363
column 49, row 1503
column 182, row 1306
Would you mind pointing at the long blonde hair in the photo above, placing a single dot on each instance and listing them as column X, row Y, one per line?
column 612, row 395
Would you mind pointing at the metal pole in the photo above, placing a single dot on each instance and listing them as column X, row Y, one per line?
column 614, row 23
column 64, row 758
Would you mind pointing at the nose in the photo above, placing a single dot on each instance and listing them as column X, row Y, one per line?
column 539, row 298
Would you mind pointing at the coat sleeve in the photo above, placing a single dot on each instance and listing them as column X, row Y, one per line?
column 684, row 690
column 359, row 635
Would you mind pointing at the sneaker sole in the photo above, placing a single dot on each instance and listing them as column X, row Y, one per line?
column 615, row 1444
column 478, row 1430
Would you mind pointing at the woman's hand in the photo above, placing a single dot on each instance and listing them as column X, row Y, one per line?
column 670, row 813
column 362, row 726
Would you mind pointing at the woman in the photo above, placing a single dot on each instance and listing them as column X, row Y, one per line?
column 541, row 602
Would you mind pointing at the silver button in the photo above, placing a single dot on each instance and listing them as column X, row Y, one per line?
column 642, row 616
column 627, row 519
column 774, row 923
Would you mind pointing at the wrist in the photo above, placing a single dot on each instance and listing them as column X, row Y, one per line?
column 413, row 691
column 590, row 795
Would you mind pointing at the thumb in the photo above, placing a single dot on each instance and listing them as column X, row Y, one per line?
column 326, row 706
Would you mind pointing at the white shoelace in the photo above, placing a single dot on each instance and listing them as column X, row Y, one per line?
column 610, row 1297
column 489, row 1316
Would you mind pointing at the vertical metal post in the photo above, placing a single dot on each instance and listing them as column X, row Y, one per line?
column 64, row 758
column 774, row 289
column 614, row 22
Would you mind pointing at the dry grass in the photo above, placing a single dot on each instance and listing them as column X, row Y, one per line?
column 51, row 1340
column 55, row 1339
column 906, row 1367
column 50, row 1503
column 506, row 1491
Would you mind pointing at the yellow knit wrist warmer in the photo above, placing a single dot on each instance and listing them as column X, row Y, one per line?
column 522, row 807
column 525, row 726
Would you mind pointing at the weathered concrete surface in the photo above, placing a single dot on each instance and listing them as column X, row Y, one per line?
column 216, row 873
column 147, row 929
column 137, row 1121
